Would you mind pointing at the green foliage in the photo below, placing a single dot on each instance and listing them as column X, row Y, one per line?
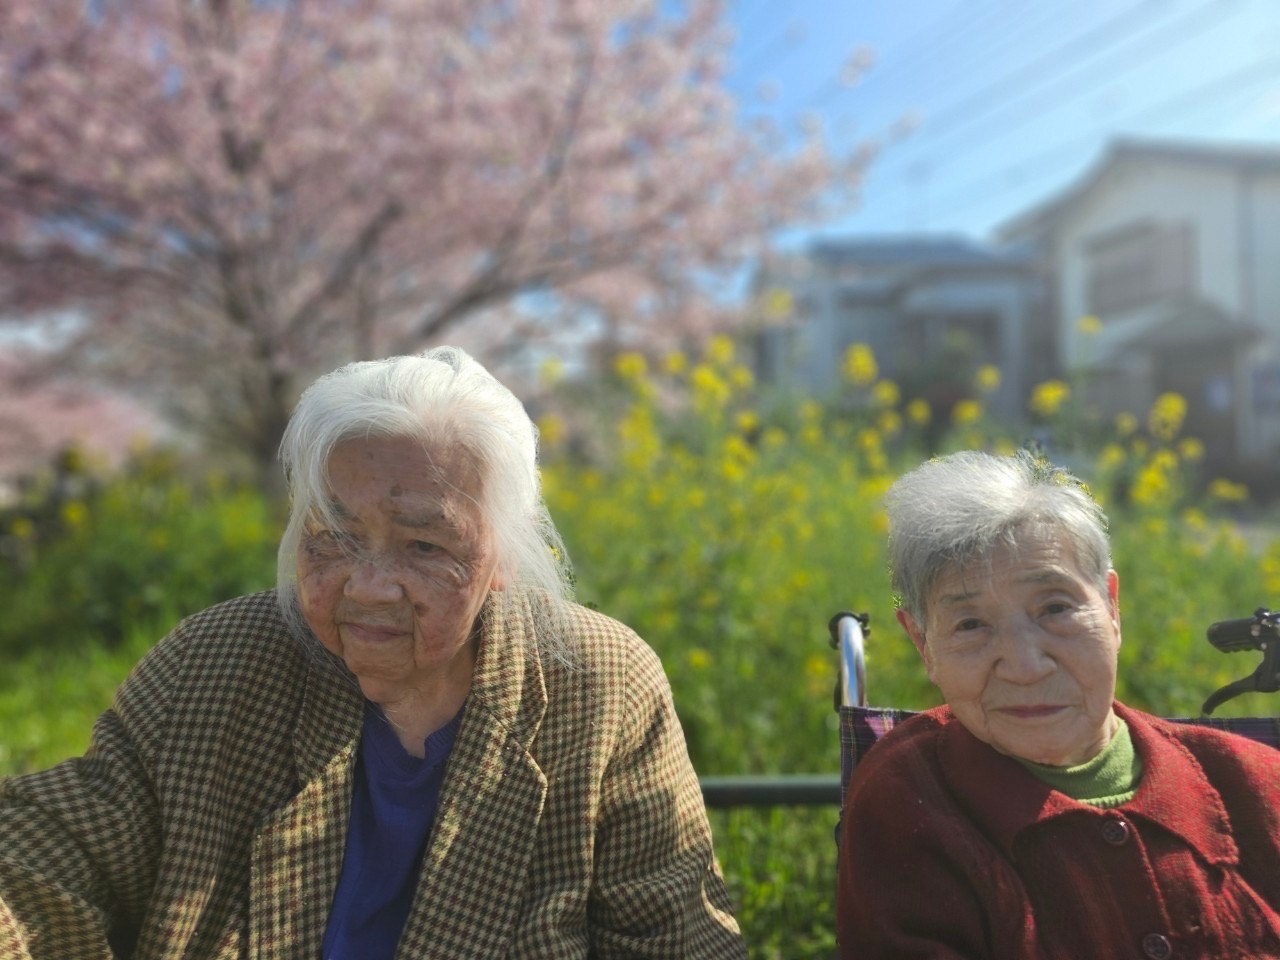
column 89, row 560
column 50, row 699
column 726, row 535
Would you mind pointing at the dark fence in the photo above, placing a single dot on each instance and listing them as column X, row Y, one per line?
column 795, row 790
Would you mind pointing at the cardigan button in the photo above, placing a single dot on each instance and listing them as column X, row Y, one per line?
column 1115, row 831
column 1157, row 947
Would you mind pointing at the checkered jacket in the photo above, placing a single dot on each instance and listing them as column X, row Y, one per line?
column 209, row 815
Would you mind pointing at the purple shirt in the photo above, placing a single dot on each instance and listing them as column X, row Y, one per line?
column 393, row 807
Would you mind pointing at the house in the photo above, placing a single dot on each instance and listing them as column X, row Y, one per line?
column 1174, row 248
column 932, row 308
column 1171, row 249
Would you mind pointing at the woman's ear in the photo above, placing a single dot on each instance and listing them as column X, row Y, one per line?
column 916, row 633
column 1113, row 595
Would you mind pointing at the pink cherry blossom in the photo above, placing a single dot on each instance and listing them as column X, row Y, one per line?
column 236, row 195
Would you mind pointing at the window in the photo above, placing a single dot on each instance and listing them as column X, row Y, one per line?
column 1138, row 265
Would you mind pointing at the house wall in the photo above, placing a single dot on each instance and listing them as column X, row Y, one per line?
column 1235, row 219
column 1152, row 192
column 1260, row 380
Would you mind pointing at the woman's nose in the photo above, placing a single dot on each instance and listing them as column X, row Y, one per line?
column 1024, row 657
column 371, row 582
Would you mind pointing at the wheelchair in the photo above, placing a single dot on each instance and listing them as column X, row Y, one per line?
column 862, row 726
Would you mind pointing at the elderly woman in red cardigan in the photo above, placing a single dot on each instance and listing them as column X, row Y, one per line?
column 1033, row 815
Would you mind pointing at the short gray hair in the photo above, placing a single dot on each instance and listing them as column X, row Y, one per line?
column 440, row 397
column 959, row 507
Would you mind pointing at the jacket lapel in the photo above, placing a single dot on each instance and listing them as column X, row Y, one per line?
column 297, row 853
column 473, row 876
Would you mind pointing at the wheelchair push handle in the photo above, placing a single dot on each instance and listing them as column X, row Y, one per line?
column 848, row 630
column 1247, row 633
column 1259, row 632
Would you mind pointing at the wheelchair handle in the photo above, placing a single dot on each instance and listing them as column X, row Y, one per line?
column 848, row 631
column 1259, row 632
column 1247, row 633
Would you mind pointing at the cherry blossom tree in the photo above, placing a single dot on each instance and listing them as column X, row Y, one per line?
column 232, row 195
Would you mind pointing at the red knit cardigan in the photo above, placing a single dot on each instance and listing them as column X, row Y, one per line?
column 949, row 849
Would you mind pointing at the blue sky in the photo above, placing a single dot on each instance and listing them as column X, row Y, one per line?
column 1008, row 101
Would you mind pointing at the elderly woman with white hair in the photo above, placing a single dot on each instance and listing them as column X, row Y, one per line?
column 417, row 746
column 1033, row 815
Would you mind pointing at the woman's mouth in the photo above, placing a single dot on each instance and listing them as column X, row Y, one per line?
column 372, row 632
column 1033, row 711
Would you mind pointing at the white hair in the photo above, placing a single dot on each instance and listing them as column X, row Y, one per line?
column 959, row 507
column 442, row 397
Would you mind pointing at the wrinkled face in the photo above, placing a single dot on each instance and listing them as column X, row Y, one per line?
column 1023, row 648
column 396, row 589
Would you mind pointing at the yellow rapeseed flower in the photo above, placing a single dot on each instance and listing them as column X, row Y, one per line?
column 551, row 371
column 818, row 674
column 918, row 411
column 777, row 303
column 1112, row 456
column 886, row 393
column 966, row 412
column 738, row 449
column 1089, row 325
column 859, row 366
column 551, row 429
column 1194, row 518
column 22, row 528
column 1227, row 491
column 1190, row 448
column 675, row 363
column 1270, row 567
column 74, row 514
column 747, row 420
column 1152, row 486
column 698, row 658
column 889, row 422
column 1166, row 416
column 741, row 377
column 1126, row 424
column 987, row 378
column 630, row 366
column 720, row 350
column 710, row 391
column 1048, row 397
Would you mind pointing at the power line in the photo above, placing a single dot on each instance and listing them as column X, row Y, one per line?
column 984, row 189
column 918, row 46
column 1118, row 62
column 1126, row 21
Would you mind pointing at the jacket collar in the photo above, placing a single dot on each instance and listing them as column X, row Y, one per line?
column 477, row 862
column 491, row 802
column 1005, row 799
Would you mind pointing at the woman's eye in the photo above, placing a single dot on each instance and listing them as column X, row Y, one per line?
column 423, row 546
column 1056, row 607
column 969, row 624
